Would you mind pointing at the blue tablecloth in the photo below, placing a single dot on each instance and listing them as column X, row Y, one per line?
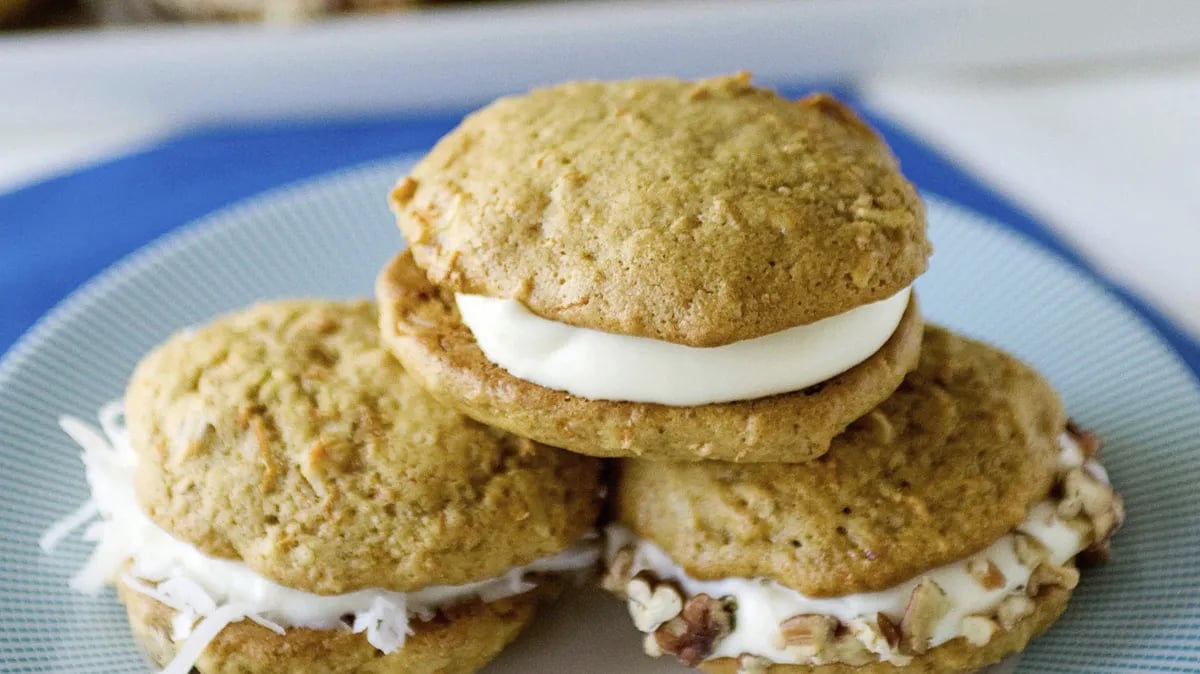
column 57, row 234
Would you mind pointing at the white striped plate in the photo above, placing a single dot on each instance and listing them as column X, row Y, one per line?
column 330, row 236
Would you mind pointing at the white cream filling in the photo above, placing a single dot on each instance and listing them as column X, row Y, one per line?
column 763, row 604
column 209, row 593
column 607, row 366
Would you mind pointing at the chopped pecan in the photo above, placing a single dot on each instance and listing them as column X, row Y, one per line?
column 1014, row 609
column 1094, row 555
column 986, row 573
column 1115, row 517
column 652, row 604
column 1083, row 493
column 1089, row 443
column 880, row 627
column 617, row 576
column 880, row 636
column 847, row 649
column 927, row 605
column 807, row 635
column 979, row 629
column 753, row 664
column 1030, row 551
column 692, row 635
column 1048, row 575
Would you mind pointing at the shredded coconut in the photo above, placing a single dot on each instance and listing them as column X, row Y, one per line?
column 202, row 636
column 63, row 527
column 386, row 624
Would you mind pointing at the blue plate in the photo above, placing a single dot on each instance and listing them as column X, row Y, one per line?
column 328, row 237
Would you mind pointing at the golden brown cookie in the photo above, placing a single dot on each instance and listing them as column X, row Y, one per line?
column 948, row 464
column 285, row 436
column 459, row 640
column 699, row 213
column 421, row 325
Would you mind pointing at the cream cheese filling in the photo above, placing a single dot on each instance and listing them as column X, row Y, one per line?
column 209, row 593
column 763, row 604
column 607, row 366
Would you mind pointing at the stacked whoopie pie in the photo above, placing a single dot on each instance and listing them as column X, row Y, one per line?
column 712, row 284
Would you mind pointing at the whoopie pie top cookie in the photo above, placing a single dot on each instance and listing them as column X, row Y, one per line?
column 697, row 213
column 285, row 437
column 665, row 269
column 937, row 517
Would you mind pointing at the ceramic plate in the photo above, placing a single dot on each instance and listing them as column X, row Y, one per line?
column 328, row 237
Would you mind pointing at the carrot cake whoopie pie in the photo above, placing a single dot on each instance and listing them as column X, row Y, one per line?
column 940, row 533
column 288, row 499
column 658, row 268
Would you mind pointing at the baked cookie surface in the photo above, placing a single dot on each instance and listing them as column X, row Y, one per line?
column 286, row 437
column 460, row 640
column 951, row 462
column 699, row 213
column 421, row 325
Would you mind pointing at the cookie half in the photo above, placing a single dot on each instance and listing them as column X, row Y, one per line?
column 286, row 498
column 662, row 243
column 939, row 533
column 460, row 640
